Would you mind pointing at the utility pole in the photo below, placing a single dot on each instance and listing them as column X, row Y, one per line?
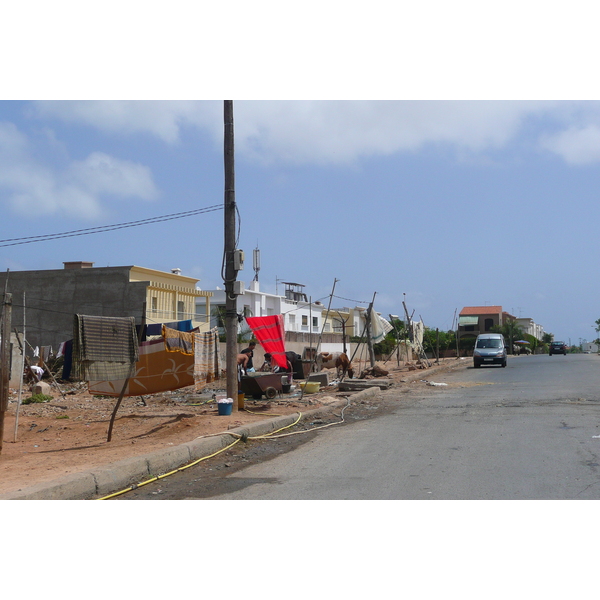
column 343, row 323
column 456, row 335
column 5, row 360
column 327, row 316
column 229, row 258
column 368, row 327
column 23, row 358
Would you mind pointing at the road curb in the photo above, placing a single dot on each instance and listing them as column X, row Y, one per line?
column 103, row 481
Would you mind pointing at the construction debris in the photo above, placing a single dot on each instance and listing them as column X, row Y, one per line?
column 356, row 385
column 415, row 366
column 41, row 387
column 375, row 371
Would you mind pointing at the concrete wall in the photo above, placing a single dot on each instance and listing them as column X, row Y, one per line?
column 16, row 362
column 53, row 297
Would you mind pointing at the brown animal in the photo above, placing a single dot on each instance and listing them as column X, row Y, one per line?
column 335, row 360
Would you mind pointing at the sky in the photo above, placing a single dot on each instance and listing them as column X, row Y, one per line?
column 443, row 204
column 414, row 158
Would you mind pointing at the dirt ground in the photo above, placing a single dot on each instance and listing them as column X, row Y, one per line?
column 68, row 434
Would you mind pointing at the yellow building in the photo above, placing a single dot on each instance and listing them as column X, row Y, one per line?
column 171, row 297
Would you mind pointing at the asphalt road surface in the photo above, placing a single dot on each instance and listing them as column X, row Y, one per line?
column 528, row 431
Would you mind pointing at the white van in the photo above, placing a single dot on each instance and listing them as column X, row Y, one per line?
column 490, row 349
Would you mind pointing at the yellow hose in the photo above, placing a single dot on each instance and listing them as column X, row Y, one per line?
column 258, row 413
column 260, row 437
column 138, row 485
column 239, row 438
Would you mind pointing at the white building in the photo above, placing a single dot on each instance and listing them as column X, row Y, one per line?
column 307, row 325
column 304, row 321
column 531, row 328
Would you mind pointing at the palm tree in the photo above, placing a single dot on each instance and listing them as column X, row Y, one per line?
column 533, row 342
column 546, row 340
column 511, row 332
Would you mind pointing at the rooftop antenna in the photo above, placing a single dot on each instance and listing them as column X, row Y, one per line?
column 256, row 262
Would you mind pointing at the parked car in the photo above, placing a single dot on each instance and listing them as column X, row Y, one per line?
column 557, row 348
column 490, row 348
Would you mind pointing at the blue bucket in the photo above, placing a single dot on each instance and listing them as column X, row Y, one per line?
column 225, row 408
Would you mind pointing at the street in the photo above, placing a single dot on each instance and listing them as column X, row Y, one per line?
column 528, row 431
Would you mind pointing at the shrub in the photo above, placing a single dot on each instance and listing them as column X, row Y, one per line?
column 37, row 398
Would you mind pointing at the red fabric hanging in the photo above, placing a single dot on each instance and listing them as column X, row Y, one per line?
column 271, row 335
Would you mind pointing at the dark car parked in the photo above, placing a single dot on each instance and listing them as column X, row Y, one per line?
column 557, row 348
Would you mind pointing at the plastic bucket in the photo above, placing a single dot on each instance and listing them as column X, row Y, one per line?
column 241, row 397
column 310, row 387
column 225, row 408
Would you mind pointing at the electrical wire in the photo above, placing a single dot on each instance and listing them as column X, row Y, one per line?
column 300, row 305
column 236, row 243
column 106, row 228
column 350, row 300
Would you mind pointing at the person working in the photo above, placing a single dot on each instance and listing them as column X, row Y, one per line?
column 249, row 352
column 34, row 373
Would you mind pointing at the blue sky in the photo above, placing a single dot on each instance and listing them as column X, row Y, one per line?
column 408, row 152
column 453, row 203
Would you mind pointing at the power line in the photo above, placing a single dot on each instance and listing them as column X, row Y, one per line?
column 350, row 300
column 106, row 228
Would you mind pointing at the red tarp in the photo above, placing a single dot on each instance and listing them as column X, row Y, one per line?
column 271, row 335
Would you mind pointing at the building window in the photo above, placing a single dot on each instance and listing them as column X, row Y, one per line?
column 154, row 303
column 488, row 324
column 180, row 310
column 292, row 322
column 304, row 322
column 315, row 323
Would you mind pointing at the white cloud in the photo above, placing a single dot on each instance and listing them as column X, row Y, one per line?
column 311, row 131
column 33, row 188
column 162, row 119
column 341, row 132
column 35, row 201
column 12, row 142
column 101, row 173
column 576, row 145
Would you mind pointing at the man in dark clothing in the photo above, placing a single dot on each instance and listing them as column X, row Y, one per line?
column 249, row 351
column 292, row 363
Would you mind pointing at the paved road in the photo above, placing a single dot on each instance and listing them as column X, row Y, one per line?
column 524, row 432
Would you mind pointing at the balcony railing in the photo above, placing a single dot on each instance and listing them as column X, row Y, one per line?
column 168, row 316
